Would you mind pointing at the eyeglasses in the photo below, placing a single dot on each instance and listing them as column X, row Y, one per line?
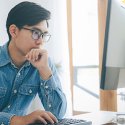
column 36, row 34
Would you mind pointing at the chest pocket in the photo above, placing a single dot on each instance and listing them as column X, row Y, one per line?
column 2, row 95
column 26, row 94
column 28, row 90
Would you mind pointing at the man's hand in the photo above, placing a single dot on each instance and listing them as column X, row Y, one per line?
column 38, row 116
column 39, row 59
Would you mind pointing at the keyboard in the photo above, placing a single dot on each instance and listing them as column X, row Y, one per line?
column 68, row 121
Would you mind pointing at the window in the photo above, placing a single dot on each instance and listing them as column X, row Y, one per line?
column 85, row 55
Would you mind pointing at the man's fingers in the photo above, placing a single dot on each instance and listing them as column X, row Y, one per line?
column 42, row 117
column 48, row 118
column 34, row 54
column 42, row 120
column 52, row 116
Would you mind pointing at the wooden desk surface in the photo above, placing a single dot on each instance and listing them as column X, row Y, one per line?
column 97, row 118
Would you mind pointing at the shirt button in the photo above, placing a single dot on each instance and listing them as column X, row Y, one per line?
column 30, row 91
column 18, row 74
column 41, row 83
column 15, row 91
column 49, row 105
column 46, row 87
column 8, row 106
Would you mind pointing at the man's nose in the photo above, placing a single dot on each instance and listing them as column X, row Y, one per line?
column 40, row 41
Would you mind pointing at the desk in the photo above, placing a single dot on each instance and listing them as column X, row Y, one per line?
column 97, row 118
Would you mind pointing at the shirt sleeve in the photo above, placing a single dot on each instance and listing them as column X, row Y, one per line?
column 51, row 94
column 5, row 118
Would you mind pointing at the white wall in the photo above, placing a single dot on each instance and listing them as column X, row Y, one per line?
column 58, row 45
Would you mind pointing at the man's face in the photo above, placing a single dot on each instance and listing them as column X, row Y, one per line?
column 30, row 37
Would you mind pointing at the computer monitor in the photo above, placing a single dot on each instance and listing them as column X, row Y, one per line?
column 113, row 61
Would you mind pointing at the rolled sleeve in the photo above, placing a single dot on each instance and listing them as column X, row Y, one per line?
column 5, row 118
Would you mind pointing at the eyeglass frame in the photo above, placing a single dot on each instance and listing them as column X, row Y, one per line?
column 39, row 36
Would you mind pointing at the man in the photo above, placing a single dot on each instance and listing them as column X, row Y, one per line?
column 26, row 70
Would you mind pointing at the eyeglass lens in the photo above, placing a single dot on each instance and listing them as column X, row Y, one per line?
column 37, row 34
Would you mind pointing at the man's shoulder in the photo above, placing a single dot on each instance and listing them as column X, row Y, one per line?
column 2, row 48
column 4, row 57
column 1, row 56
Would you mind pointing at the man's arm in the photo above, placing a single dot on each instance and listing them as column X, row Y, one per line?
column 51, row 93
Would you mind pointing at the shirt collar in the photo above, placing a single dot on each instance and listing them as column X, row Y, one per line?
column 4, row 55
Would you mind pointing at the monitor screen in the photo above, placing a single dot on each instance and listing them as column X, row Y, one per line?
column 113, row 60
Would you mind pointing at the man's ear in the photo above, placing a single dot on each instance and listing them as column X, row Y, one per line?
column 13, row 30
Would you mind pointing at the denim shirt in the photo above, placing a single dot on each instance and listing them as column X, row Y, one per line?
column 18, row 87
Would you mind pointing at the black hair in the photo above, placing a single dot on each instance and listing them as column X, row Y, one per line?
column 26, row 13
